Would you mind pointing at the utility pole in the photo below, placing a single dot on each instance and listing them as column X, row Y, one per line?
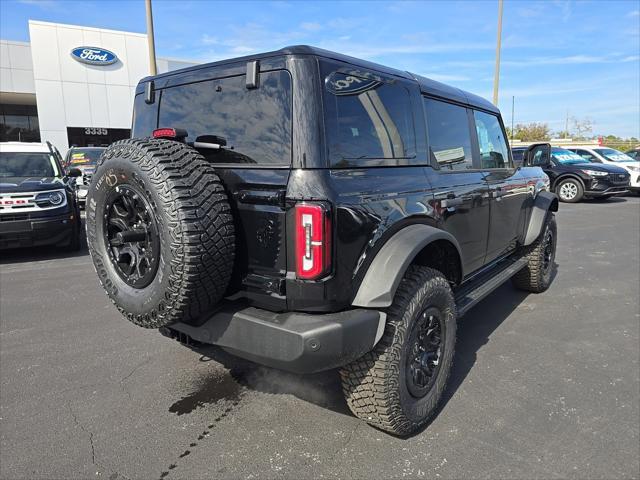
column 496, row 73
column 566, row 125
column 513, row 109
column 150, row 39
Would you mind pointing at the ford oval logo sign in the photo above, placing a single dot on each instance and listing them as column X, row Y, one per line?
column 94, row 56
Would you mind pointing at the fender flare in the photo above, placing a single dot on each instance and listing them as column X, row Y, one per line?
column 544, row 203
column 383, row 276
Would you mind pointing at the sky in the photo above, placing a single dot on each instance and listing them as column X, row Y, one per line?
column 559, row 57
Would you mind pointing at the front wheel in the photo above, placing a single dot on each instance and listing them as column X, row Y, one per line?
column 397, row 386
column 536, row 276
column 570, row 190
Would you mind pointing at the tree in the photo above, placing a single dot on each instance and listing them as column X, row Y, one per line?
column 582, row 126
column 532, row 132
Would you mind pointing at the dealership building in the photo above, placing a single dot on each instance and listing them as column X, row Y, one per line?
column 72, row 85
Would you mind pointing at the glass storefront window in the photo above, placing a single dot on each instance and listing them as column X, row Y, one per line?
column 19, row 123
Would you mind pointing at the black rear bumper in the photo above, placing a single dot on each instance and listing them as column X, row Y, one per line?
column 26, row 231
column 292, row 341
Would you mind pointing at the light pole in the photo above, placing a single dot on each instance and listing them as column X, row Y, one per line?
column 513, row 110
column 496, row 72
column 150, row 39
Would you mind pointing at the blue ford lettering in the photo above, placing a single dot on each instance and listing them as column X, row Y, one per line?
column 94, row 55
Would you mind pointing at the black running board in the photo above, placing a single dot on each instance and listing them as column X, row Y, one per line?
column 477, row 288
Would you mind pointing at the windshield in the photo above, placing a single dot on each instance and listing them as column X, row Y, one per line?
column 566, row 157
column 614, row 155
column 83, row 156
column 27, row 164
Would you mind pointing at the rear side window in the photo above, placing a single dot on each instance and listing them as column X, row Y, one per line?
column 369, row 122
column 256, row 123
column 449, row 135
column 493, row 146
column 586, row 155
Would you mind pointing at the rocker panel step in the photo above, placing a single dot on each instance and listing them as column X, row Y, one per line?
column 478, row 288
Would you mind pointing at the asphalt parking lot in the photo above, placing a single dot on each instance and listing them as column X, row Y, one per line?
column 543, row 386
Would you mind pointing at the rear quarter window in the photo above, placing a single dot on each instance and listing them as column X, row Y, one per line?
column 449, row 135
column 368, row 122
column 256, row 123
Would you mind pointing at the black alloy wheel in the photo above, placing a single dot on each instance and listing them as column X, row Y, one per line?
column 548, row 253
column 423, row 360
column 131, row 236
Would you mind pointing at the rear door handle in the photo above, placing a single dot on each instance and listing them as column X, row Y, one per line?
column 497, row 193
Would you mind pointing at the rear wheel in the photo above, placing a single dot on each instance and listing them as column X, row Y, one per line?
column 397, row 386
column 570, row 190
column 160, row 231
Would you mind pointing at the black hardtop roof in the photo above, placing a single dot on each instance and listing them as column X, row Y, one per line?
column 427, row 86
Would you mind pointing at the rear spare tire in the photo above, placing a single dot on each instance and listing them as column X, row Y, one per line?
column 160, row 231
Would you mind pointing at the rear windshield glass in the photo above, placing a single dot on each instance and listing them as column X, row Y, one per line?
column 255, row 123
column 368, row 120
column 84, row 156
column 27, row 164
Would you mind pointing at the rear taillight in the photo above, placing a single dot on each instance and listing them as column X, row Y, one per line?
column 313, row 241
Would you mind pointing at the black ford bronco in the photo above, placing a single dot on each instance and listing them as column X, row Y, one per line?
column 308, row 211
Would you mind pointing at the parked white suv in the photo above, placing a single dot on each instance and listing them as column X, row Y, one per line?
column 612, row 157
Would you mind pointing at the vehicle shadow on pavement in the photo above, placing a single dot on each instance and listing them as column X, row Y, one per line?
column 474, row 331
column 35, row 254
column 605, row 200
column 324, row 389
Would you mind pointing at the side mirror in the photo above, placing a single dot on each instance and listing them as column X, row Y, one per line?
column 537, row 155
column 74, row 172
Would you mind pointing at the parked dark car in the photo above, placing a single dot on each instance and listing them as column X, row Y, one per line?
column 37, row 199
column 574, row 178
column 307, row 210
column 85, row 160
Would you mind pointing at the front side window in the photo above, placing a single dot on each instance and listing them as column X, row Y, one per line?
column 255, row 123
column 27, row 164
column 493, row 147
column 369, row 122
column 449, row 135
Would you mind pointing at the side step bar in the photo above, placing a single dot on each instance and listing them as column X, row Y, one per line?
column 478, row 288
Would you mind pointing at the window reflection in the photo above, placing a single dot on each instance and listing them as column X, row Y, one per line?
column 493, row 147
column 373, row 120
column 449, row 135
